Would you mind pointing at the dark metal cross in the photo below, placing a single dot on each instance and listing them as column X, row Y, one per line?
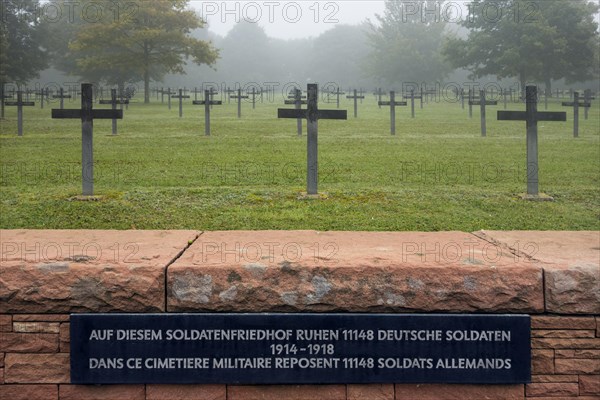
column 312, row 115
column 228, row 92
column 213, row 92
column 254, row 93
column 114, row 101
column 297, row 96
column 531, row 116
column 2, row 97
column 181, row 96
column 576, row 104
column 196, row 91
column 355, row 97
column 462, row 98
column 482, row 103
column 207, row 103
column 87, row 116
column 239, row 98
column 587, row 97
column 504, row 93
column 471, row 97
column 62, row 96
column 412, row 98
column 20, row 104
column 428, row 94
column 169, row 94
column 43, row 94
column 393, row 104
column 378, row 93
column 337, row 94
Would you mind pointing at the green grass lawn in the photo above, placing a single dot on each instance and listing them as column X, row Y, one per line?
column 161, row 172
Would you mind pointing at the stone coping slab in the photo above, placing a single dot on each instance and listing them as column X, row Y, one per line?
column 571, row 263
column 59, row 271
column 260, row 271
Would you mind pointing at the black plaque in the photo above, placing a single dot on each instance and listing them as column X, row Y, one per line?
column 299, row 348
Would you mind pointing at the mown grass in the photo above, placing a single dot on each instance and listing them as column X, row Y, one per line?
column 161, row 172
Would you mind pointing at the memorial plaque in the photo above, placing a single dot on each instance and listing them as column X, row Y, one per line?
column 299, row 348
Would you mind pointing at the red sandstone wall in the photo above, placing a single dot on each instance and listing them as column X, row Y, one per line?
column 562, row 295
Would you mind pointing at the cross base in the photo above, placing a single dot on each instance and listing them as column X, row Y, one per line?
column 536, row 197
column 86, row 198
column 306, row 196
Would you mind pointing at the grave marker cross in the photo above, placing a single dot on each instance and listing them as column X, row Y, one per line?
column 62, row 96
column 43, row 94
column 412, row 98
column 576, row 104
column 2, row 97
column 297, row 96
column 228, row 92
column 114, row 101
column 531, row 116
column 312, row 115
column 587, row 97
column 482, row 102
column 87, row 116
column 181, row 96
column 169, row 94
column 254, row 93
column 214, row 92
column 20, row 104
column 378, row 93
column 337, row 94
column 393, row 104
column 355, row 97
column 471, row 99
column 239, row 98
column 207, row 103
column 504, row 93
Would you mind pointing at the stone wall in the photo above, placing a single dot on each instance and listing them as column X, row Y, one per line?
column 46, row 275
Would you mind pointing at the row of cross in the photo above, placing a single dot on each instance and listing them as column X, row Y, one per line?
column 312, row 115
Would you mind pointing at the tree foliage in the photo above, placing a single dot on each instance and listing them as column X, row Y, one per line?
column 22, row 40
column 407, row 44
column 136, row 41
column 532, row 41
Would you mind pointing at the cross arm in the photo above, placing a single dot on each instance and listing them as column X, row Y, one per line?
column 539, row 116
column 396, row 103
column 321, row 114
column 16, row 103
column 551, row 116
column 487, row 103
column 96, row 114
column 290, row 113
column 295, row 101
column 115, row 102
column 572, row 104
column 202, row 102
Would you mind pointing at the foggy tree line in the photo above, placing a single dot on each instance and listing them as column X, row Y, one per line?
column 159, row 43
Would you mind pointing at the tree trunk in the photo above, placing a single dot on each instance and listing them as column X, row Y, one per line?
column 1, row 100
column 146, row 87
column 523, row 82
column 121, row 90
column 548, row 87
column 146, row 74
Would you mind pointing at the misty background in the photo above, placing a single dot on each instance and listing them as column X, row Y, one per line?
column 350, row 44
